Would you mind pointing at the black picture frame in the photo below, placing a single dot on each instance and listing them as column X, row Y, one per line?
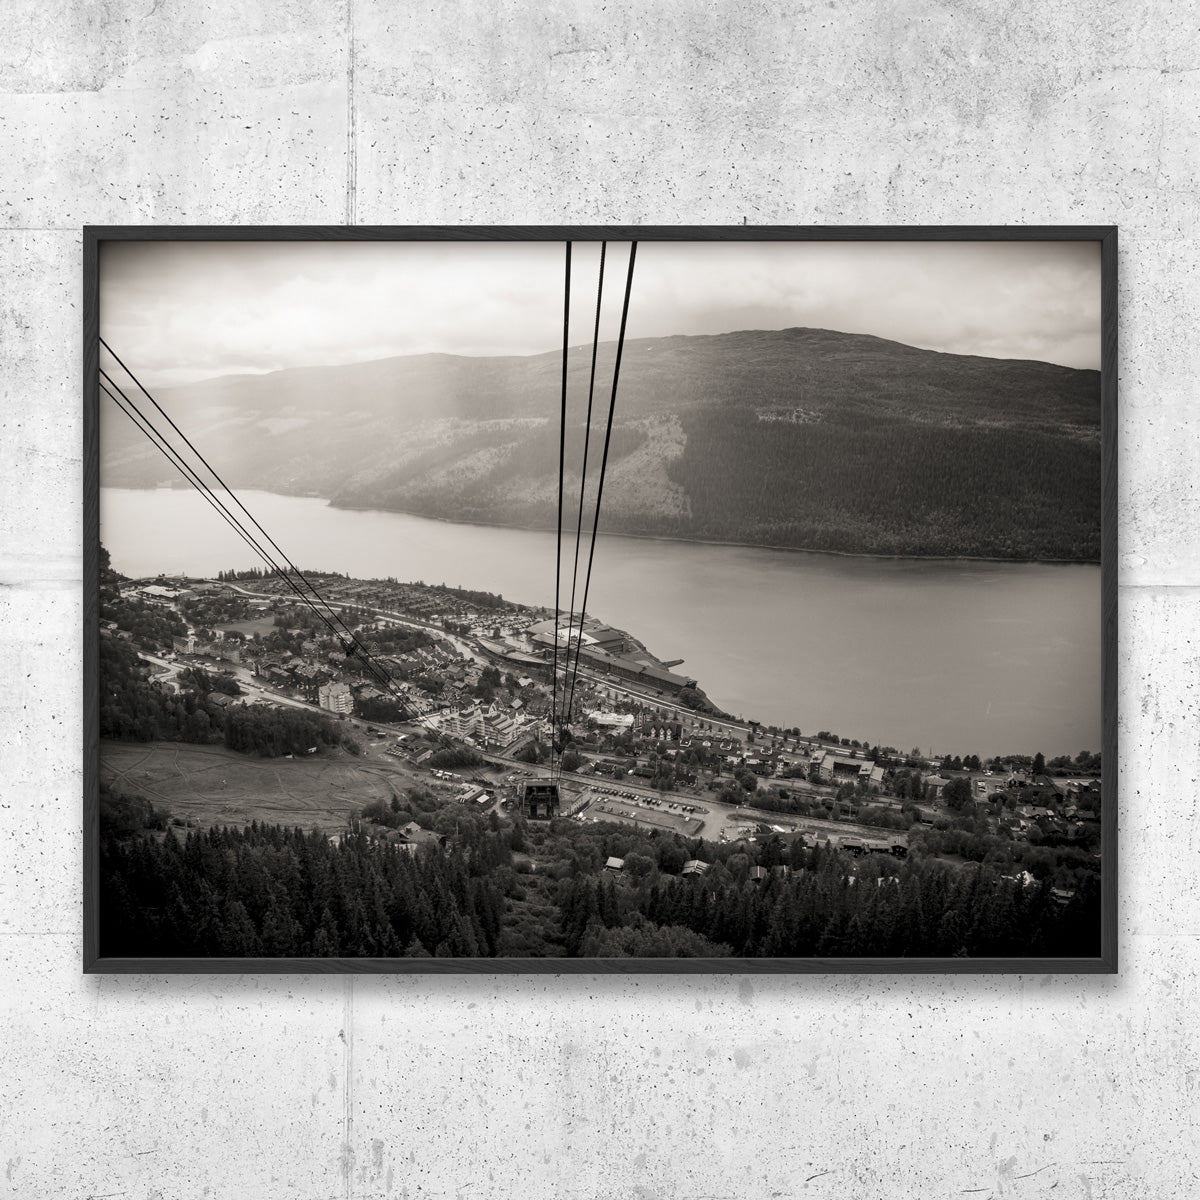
column 94, row 237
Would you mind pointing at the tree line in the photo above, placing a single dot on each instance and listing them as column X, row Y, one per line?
column 925, row 909
column 257, row 574
column 271, row 731
column 274, row 891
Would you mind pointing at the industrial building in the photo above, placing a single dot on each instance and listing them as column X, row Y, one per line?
column 649, row 675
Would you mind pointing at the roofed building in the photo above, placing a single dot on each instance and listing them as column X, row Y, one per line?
column 843, row 768
column 539, row 800
column 414, row 836
column 658, row 678
column 336, row 697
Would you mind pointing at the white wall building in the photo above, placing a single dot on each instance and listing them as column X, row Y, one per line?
column 336, row 697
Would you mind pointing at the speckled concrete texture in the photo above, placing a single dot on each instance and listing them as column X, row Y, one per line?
column 304, row 111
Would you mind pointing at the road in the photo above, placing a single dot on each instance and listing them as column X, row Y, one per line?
column 172, row 668
column 244, row 678
column 716, row 818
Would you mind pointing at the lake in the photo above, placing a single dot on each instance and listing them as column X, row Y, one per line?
column 950, row 656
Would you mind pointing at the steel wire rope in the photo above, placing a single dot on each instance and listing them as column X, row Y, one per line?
column 348, row 638
column 562, row 448
column 147, row 427
column 173, row 457
column 381, row 675
column 587, row 436
column 612, row 403
column 232, row 495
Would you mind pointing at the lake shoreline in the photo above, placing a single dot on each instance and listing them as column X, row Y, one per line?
column 890, row 650
column 677, row 541
column 696, row 541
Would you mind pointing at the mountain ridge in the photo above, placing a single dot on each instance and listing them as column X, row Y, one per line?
column 801, row 438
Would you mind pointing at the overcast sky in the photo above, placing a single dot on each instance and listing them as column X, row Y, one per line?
column 177, row 312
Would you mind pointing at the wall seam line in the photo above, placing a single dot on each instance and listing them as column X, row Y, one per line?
column 351, row 123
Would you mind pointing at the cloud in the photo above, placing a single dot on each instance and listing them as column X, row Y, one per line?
column 183, row 311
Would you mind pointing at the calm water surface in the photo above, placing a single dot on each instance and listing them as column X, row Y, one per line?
column 956, row 657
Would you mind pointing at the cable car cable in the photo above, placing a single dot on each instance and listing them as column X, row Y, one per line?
column 187, row 441
column 612, row 402
column 583, row 473
column 562, row 448
column 172, row 455
column 159, row 441
column 350, row 641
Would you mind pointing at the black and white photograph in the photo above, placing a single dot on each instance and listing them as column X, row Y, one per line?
column 599, row 601
column 561, row 597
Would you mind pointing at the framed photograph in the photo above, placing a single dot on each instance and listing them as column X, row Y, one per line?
column 600, row 599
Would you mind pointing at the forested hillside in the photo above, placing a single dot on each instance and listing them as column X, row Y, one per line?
column 267, row 890
column 804, row 438
column 885, row 486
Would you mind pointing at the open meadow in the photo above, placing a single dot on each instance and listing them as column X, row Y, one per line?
column 211, row 785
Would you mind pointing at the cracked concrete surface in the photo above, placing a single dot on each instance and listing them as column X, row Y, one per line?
column 309, row 112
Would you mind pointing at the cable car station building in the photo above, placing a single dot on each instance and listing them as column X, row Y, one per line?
column 539, row 800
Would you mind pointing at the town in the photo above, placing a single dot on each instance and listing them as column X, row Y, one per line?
column 648, row 750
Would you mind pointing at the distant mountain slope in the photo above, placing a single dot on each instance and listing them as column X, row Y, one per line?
column 804, row 438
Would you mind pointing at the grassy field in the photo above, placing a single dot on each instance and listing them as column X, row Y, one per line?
column 260, row 625
column 210, row 785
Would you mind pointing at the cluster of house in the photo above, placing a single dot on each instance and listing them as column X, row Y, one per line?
column 318, row 673
column 299, row 672
column 895, row 846
column 222, row 645
column 656, row 734
column 1059, row 895
column 438, row 659
column 412, row 837
column 721, row 745
column 697, row 868
column 832, row 768
column 168, row 590
column 1065, row 819
column 694, row 867
column 433, row 605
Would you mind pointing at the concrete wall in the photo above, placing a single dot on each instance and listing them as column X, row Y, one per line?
column 490, row 111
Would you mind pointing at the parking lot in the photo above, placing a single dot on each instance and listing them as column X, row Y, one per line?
column 615, row 804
